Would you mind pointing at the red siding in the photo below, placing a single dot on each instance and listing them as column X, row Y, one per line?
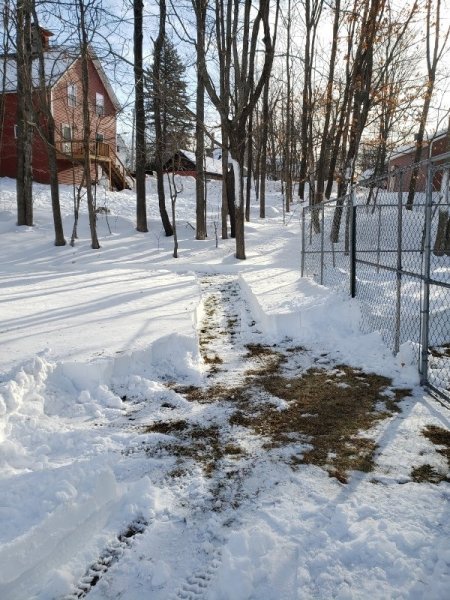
column 63, row 114
column 438, row 147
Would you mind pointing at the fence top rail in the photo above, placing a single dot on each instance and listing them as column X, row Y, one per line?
column 326, row 203
column 445, row 156
column 367, row 183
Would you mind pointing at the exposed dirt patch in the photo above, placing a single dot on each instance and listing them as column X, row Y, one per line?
column 325, row 414
column 426, row 474
column 440, row 437
column 440, row 351
column 328, row 410
column 166, row 427
column 268, row 359
column 214, row 393
column 202, row 444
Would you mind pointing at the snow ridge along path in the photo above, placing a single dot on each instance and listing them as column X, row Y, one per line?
column 230, row 495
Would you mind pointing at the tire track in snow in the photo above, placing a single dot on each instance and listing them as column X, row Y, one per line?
column 110, row 555
column 225, row 329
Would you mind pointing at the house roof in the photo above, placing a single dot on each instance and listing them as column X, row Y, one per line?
column 408, row 148
column 57, row 61
column 211, row 164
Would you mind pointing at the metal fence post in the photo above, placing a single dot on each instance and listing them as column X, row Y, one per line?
column 322, row 244
column 303, row 242
column 379, row 240
column 352, row 248
column 398, row 299
column 425, row 311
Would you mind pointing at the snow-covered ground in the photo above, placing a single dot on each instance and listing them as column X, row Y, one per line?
column 113, row 479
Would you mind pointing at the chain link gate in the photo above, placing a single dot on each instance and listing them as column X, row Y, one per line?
column 394, row 258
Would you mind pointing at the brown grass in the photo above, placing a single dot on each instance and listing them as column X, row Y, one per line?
column 202, row 444
column 326, row 414
column 267, row 359
column 167, row 427
column 215, row 393
column 330, row 410
column 440, row 437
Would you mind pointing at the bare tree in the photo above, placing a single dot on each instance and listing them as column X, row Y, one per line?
column 139, row 111
column 245, row 90
column 24, row 180
column 325, row 144
column 159, row 137
column 313, row 11
column 46, row 128
column 200, row 7
column 5, row 51
column 174, row 190
column 434, row 51
column 84, row 15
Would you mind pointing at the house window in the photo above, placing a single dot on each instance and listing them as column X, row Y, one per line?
column 99, row 137
column 66, row 133
column 72, row 95
column 99, row 104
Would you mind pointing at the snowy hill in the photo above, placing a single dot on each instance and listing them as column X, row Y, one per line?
column 152, row 439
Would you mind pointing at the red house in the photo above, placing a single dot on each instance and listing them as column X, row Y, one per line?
column 63, row 77
column 402, row 158
column 184, row 163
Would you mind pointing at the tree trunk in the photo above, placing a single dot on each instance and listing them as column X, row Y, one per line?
column 230, row 190
column 139, row 111
column 87, row 124
column 159, row 138
column 248, row 189
column 200, row 12
column 24, row 181
column 325, row 139
column 47, row 132
column 236, row 174
column 288, row 136
column 264, row 137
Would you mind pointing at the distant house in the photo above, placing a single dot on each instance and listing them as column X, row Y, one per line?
column 183, row 162
column 123, row 151
column 63, row 77
column 403, row 157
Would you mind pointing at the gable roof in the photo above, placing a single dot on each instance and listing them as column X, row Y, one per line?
column 407, row 149
column 57, row 61
column 211, row 164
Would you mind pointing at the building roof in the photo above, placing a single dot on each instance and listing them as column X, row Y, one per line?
column 57, row 61
column 408, row 148
column 211, row 164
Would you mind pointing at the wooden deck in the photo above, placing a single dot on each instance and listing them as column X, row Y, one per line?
column 101, row 153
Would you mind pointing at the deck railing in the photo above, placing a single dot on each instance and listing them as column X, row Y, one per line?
column 75, row 148
column 100, row 151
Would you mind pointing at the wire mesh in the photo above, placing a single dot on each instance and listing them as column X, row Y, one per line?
column 400, row 257
column 322, row 259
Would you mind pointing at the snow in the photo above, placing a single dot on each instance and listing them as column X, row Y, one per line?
column 57, row 62
column 93, row 347
column 212, row 165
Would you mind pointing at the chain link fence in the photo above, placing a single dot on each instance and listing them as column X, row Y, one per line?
column 391, row 249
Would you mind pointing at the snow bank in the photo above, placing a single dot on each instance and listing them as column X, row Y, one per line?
column 287, row 305
column 30, row 560
column 90, row 316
